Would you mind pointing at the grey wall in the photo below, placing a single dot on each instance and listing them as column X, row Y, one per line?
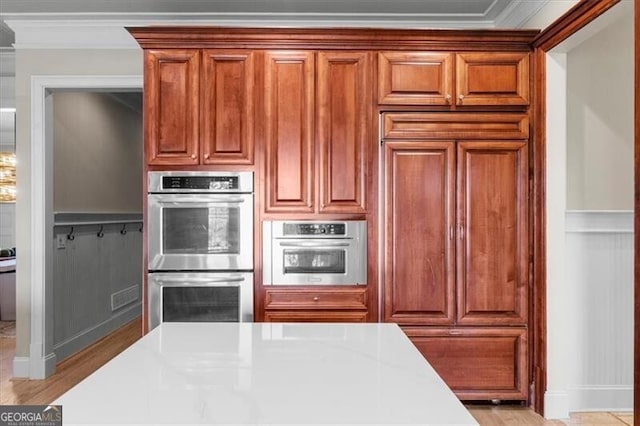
column 97, row 155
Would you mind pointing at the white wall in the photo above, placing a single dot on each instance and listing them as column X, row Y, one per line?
column 551, row 11
column 600, row 120
column 590, row 285
column 45, row 62
column 97, row 155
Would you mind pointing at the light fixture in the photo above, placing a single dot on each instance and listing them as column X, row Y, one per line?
column 7, row 177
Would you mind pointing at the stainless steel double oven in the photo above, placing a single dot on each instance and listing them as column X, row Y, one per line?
column 200, row 240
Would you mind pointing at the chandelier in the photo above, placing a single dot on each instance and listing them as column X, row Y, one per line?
column 7, row 177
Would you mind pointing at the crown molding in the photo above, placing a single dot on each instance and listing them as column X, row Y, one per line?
column 518, row 13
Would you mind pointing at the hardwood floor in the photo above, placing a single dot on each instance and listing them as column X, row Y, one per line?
column 72, row 370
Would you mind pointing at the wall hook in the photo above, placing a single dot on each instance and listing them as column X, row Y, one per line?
column 100, row 232
column 140, row 230
column 70, row 235
column 123, row 231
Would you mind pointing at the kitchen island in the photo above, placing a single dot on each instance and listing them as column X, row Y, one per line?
column 266, row 374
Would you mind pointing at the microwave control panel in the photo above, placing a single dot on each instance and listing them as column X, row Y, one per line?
column 316, row 228
column 200, row 182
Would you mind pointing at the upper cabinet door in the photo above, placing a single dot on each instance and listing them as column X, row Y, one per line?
column 492, row 236
column 343, row 103
column 227, row 107
column 415, row 78
column 171, row 88
column 492, row 78
column 289, row 112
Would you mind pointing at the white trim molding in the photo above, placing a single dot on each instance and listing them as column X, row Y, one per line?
column 41, row 357
column 599, row 221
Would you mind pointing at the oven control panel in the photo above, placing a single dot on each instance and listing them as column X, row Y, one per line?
column 316, row 228
column 200, row 182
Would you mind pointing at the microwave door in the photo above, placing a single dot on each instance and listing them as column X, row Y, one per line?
column 189, row 232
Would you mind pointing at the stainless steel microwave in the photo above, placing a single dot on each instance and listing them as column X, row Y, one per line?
column 314, row 252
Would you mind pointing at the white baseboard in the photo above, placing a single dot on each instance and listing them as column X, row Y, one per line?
column 21, row 367
column 601, row 398
column 556, row 405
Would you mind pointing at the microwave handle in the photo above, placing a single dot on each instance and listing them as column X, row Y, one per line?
column 312, row 244
column 200, row 280
column 207, row 200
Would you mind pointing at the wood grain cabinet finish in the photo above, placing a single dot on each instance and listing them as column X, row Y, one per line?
column 316, row 305
column 492, row 78
column 477, row 363
column 492, row 233
column 453, row 79
column 419, row 216
column 199, row 107
column 171, row 98
column 315, row 316
column 318, row 119
column 227, row 107
column 289, row 111
column 415, row 78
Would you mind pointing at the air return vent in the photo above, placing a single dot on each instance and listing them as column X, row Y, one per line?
column 124, row 297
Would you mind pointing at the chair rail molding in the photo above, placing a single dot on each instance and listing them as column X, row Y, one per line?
column 42, row 360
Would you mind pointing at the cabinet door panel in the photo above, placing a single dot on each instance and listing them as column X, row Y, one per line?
column 343, row 126
column 227, row 107
column 171, row 106
column 478, row 363
column 492, row 78
column 492, row 233
column 289, row 135
column 415, row 78
column 419, row 218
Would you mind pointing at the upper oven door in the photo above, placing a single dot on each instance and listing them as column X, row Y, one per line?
column 198, row 232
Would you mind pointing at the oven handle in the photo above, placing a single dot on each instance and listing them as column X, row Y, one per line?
column 207, row 200
column 200, row 280
column 312, row 244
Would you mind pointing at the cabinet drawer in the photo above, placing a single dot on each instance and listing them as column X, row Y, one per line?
column 478, row 363
column 315, row 299
column 315, row 316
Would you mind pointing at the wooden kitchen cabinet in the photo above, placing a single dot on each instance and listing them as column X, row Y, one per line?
column 456, row 246
column 455, row 79
column 473, row 201
column 492, row 245
column 477, row 363
column 343, row 304
column 199, row 107
column 171, row 99
column 227, row 107
column 317, row 120
column 420, row 218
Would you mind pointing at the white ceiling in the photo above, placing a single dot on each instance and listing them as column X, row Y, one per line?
column 28, row 14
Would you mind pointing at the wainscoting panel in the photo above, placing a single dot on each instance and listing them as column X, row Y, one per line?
column 599, row 256
column 94, row 263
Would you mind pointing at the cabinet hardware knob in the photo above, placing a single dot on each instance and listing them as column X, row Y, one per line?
column 316, row 298
column 206, row 156
column 448, row 98
column 193, row 156
column 460, row 98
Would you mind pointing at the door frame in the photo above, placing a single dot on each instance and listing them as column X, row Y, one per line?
column 564, row 27
column 42, row 360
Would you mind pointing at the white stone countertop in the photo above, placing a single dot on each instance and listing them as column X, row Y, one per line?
column 266, row 374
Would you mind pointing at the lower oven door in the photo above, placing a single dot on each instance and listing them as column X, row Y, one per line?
column 200, row 297
column 318, row 262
